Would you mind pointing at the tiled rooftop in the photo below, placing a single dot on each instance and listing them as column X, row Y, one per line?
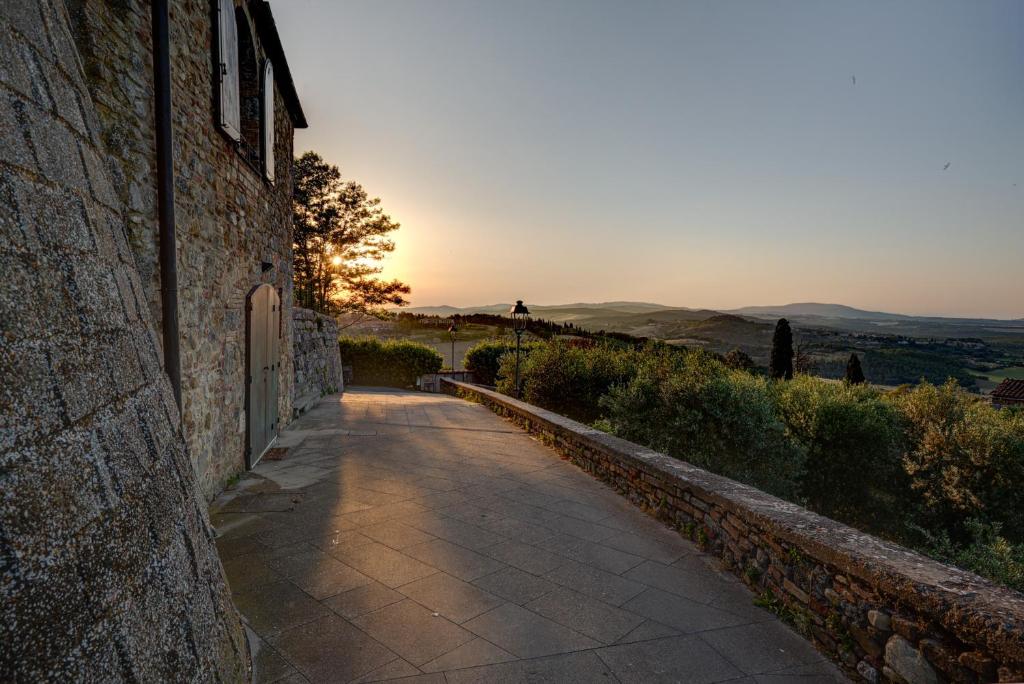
column 410, row 535
column 1009, row 388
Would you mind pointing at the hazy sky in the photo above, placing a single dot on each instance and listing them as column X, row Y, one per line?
column 704, row 154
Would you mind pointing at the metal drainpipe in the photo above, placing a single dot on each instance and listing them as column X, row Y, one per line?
column 165, row 195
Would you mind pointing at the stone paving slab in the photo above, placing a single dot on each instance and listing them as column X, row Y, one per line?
column 419, row 538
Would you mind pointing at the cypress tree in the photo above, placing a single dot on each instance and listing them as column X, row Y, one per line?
column 781, row 364
column 854, row 374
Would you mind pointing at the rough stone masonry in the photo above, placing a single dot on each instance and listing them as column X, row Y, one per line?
column 233, row 226
column 317, row 358
column 108, row 570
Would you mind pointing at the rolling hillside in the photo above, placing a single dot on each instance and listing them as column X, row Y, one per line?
column 894, row 347
column 815, row 309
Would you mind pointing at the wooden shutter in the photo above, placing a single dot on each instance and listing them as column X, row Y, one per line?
column 227, row 59
column 268, row 121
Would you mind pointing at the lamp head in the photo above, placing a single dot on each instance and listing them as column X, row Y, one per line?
column 520, row 316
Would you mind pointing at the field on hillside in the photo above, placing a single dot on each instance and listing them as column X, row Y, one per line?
column 989, row 379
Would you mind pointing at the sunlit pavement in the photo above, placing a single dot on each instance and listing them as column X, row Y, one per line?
column 411, row 535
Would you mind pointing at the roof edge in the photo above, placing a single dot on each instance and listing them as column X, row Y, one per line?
column 266, row 29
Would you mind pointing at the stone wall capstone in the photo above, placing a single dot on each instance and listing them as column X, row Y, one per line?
column 317, row 358
column 108, row 569
column 230, row 220
column 881, row 611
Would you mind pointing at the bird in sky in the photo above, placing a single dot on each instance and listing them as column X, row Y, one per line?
column 854, row 79
column 946, row 166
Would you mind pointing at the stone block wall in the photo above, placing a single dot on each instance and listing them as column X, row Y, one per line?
column 229, row 219
column 882, row 612
column 317, row 358
column 108, row 570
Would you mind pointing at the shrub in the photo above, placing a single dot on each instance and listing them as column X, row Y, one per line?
column 568, row 378
column 852, row 440
column 965, row 459
column 390, row 363
column 987, row 553
column 694, row 408
column 484, row 359
column 737, row 359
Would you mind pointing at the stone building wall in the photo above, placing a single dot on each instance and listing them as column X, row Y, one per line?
column 229, row 219
column 882, row 612
column 108, row 570
column 317, row 357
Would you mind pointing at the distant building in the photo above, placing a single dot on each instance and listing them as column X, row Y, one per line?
column 1009, row 393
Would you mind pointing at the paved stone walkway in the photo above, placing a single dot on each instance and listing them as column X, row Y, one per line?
column 410, row 535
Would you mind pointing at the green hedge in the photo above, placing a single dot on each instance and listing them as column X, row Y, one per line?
column 388, row 363
column 484, row 359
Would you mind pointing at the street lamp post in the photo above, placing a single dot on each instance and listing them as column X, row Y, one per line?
column 520, row 317
column 452, row 330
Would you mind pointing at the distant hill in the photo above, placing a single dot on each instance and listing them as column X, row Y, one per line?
column 445, row 310
column 726, row 331
column 717, row 320
column 807, row 309
column 627, row 307
column 665, row 322
column 601, row 307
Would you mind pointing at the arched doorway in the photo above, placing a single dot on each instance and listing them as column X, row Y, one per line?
column 263, row 329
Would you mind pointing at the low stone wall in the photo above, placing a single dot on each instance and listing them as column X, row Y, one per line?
column 431, row 382
column 317, row 358
column 883, row 612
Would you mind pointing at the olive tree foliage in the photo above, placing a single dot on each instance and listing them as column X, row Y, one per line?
column 964, row 457
column 853, row 443
column 566, row 378
column 340, row 234
column 691, row 406
column 737, row 359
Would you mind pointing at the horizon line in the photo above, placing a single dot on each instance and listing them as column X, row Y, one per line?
column 1008, row 318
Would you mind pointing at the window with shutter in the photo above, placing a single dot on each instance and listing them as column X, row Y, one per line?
column 268, row 121
column 227, row 59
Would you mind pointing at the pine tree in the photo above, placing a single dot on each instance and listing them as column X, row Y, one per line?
column 339, row 236
column 854, row 374
column 781, row 364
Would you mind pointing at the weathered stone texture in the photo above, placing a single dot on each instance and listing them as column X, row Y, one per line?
column 881, row 611
column 108, row 571
column 229, row 219
column 317, row 357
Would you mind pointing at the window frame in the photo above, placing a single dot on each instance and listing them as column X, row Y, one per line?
column 267, row 121
column 227, row 73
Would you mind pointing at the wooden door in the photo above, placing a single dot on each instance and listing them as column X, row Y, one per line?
column 263, row 367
